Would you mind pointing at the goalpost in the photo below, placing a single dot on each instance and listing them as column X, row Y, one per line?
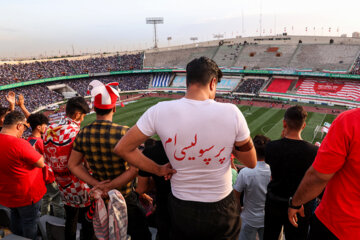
column 318, row 130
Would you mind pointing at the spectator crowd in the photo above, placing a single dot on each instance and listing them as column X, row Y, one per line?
column 21, row 72
column 356, row 67
column 40, row 95
column 251, row 86
column 117, row 181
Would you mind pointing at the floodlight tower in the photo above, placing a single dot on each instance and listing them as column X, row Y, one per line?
column 218, row 36
column 194, row 39
column 155, row 21
column 169, row 39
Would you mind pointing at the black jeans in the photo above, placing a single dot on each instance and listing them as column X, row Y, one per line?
column 197, row 220
column 138, row 228
column 73, row 216
column 276, row 216
column 319, row 231
column 163, row 222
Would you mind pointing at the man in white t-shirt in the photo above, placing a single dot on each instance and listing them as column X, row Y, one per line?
column 198, row 135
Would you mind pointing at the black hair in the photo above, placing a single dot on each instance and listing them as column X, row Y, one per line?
column 102, row 112
column 37, row 119
column 3, row 111
column 13, row 118
column 76, row 104
column 202, row 70
column 295, row 117
column 260, row 142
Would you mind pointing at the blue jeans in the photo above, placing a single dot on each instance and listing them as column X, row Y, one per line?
column 248, row 232
column 24, row 220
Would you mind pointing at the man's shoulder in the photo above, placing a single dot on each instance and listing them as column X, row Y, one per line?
column 111, row 127
column 227, row 106
column 20, row 141
column 254, row 171
column 171, row 103
column 61, row 126
column 274, row 143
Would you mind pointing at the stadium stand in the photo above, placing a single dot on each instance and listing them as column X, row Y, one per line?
column 228, row 84
column 161, row 80
column 280, row 85
column 179, row 82
column 35, row 95
column 356, row 67
column 226, row 55
column 349, row 90
column 12, row 73
column 177, row 58
column 265, row 56
column 40, row 95
column 325, row 57
column 251, row 85
column 313, row 57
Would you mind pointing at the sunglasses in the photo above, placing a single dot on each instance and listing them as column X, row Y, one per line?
column 26, row 126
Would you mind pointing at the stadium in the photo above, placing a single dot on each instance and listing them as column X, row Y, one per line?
column 264, row 70
column 263, row 76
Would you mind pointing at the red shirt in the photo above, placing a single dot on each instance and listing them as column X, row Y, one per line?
column 39, row 144
column 339, row 153
column 21, row 183
column 47, row 171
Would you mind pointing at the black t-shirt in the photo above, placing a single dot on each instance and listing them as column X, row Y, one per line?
column 158, row 155
column 289, row 160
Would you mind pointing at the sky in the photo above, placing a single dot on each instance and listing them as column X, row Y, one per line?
column 29, row 28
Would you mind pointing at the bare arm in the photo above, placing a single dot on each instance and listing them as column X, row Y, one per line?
column 123, row 179
column 238, row 196
column 127, row 148
column 245, row 153
column 310, row 187
column 77, row 168
column 40, row 163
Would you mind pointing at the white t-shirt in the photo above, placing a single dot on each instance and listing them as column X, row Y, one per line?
column 198, row 137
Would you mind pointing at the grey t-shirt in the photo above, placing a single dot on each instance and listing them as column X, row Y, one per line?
column 253, row 182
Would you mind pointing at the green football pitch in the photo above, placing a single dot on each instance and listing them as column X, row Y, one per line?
column 266, row 121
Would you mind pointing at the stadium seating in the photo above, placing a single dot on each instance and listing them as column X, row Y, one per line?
column 227, row 54
column 280, row 85
column 161, row 80
column 177, row 58
column 325, row 57
column 349, row 90
column 356, row 66
column 265, row 56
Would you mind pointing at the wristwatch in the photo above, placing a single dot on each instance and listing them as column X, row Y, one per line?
column 292, row 206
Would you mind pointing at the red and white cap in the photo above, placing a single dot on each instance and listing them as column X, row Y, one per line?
column 104, row 96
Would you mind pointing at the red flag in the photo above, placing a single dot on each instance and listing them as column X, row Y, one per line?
column 122, row 104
